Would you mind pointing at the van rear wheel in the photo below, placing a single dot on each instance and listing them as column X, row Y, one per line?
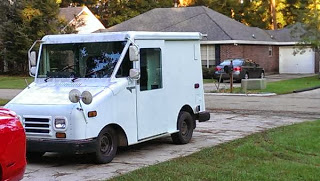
column 185, row 127
column 107, row 145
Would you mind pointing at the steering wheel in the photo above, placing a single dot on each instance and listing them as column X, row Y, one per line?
column 67, row 67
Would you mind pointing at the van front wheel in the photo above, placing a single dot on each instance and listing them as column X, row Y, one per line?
column 185, row 127
column 107, row 145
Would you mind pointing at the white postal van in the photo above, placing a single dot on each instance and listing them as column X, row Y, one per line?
column 95, row 92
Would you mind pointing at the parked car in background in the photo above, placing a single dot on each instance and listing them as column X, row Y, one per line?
column 242, row 69
column 12, row 146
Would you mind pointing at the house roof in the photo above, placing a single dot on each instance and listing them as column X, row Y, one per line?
column 218, row 27
column 70, row 12
column 187, row 19
column 291, row 33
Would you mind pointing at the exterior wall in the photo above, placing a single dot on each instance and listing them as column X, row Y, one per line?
column 257, row 53
column 90, row 23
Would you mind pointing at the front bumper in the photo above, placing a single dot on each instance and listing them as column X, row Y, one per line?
column 203, row 116
column 62, row 146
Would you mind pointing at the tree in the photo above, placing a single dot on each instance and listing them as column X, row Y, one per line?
column 12, row 35
column 311, row 35
column 23, row 22
column 112, row 12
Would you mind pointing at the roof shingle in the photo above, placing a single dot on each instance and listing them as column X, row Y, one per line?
column 188, row 19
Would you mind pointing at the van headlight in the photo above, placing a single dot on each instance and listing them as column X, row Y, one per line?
column 60, row 123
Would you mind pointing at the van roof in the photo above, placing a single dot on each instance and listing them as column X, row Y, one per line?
column 120, row 36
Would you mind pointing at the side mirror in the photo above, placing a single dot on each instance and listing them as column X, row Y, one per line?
column 134, row 74
column 33, row 59
column 33, row 71
column 133, row 53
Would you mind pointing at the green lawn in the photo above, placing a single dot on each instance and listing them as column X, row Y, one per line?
column 285, row 86
column 206, row 81
column 3, row 102
column 288, row 86
column 14, row 82
column 285, row 153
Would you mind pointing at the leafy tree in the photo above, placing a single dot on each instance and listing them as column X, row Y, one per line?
column 13, row 38
column 23, row 22
column 112, row 12
column 311, row 19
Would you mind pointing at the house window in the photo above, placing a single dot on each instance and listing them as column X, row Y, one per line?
column 150, row 69
column 208, row 55
column 270, row 51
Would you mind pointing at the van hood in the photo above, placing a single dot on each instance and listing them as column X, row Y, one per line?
column 53, row 93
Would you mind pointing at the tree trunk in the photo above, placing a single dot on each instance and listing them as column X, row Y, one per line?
column 273, row 14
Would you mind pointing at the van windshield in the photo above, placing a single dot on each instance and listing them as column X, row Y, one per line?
column 79, row 60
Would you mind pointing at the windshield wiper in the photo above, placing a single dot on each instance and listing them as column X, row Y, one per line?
column 46, row 80
column 74, row 79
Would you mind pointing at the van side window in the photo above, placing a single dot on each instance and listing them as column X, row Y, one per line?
column 150, row 69
column 125, row 67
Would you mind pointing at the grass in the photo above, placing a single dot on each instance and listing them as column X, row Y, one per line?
column 14, row 82
column 288, row 86
column 285, row 86
column 285, row 153
column 206, row 81
column 3, row 102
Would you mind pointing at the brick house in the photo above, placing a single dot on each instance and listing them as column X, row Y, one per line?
column 225, row 38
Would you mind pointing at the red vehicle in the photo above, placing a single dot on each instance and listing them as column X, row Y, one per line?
column 12, row 146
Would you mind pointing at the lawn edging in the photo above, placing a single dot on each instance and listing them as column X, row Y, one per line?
column 239, row 94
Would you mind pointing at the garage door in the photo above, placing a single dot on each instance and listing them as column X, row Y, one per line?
column 296, row 64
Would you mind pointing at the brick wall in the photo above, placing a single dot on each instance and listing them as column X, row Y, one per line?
column 257, row 53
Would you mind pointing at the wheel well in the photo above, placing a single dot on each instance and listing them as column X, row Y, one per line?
column 188, row 109
column 122, row 137
column 1, row 172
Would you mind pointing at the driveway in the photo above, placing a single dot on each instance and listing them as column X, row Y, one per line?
column 231, row 118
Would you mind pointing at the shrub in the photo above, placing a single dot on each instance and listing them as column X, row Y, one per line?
column 207, row 73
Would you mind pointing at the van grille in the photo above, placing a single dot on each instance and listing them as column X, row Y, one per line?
column 37, row 126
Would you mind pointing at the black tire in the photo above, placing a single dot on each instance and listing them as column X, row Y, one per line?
column 34, row 155
column 185, row 126
column 107, row 145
